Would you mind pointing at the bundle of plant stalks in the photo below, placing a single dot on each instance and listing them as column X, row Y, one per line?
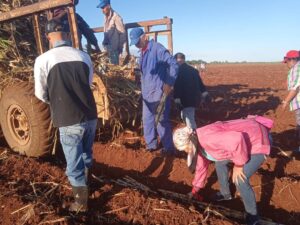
column 18, row 52
column 17, row 46
column 123, row 90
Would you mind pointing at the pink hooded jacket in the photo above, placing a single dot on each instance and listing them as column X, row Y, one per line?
column 234, row 140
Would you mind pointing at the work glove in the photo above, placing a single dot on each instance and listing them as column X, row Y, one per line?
column 178, row 104
column 195, row 195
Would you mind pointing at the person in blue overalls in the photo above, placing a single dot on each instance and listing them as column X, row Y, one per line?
column 159, row 71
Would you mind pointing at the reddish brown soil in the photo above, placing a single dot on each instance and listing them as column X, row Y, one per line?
column 238, row 90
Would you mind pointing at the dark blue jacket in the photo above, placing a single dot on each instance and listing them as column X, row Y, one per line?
column 158, row 67
column 188, row 86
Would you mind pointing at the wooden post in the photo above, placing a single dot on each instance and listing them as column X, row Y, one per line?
column 73, row 27
column 147, row 29
column 37, row 34
column 170, row 37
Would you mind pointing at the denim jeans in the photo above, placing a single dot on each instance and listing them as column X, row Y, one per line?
column 77, row 141
column 244, row 188
column 188, row 117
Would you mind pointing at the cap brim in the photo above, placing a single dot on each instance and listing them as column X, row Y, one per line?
column 134, row 41
column 101, row 5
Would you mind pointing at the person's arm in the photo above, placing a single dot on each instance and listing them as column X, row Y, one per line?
column 291, row 95
column 178, row 86
column 200, row 172
column 91, row 70
column 164, row 55
column 87, row 32
column 40, row 82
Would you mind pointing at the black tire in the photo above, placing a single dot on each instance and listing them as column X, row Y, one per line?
column 25, row 121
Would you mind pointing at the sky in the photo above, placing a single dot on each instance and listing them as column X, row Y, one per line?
column 215, row 30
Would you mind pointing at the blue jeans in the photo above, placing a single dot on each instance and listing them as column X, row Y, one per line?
column 188, row 117
column 77, row 141
column 244, row 188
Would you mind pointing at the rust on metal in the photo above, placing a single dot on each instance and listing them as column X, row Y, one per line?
column 33, row 8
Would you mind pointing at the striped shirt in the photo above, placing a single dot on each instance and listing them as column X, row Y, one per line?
column 293, row 84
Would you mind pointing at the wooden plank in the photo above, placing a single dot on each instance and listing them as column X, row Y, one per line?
column 33, row 9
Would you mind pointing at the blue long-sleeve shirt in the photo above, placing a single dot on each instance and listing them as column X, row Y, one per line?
column 158, row 67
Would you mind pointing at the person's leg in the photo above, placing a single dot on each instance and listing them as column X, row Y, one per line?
column 114, row 56
column 149, row 126
column 188, row 116
column 88, row 140
column 71, row 140
column 297, row 114
column 245, row 189
column 222, row 174
column 164, row 129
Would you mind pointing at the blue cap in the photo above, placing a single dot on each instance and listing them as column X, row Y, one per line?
column 135, row 35
column 103, row 3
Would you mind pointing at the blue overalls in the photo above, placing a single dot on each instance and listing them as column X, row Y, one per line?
column 158, row 67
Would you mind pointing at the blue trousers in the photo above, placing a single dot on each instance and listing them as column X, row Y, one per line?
column 244, row 188
column 188, row 117
column 163, row 129
column 77, row 141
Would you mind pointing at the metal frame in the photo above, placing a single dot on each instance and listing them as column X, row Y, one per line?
column 35, row 10
column 46, row 5
column 147, row 25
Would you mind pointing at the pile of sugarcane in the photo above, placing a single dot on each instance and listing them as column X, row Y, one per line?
column 123, row 92
column 17, row 46
column 18, row 52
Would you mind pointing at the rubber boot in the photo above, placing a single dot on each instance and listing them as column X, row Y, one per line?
column 81, row 195
column 252, row 219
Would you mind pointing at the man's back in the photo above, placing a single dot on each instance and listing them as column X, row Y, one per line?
column 188, row 86
column 63, row 76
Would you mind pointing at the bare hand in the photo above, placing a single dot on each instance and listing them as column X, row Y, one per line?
column 167, row 89
column 238, row 174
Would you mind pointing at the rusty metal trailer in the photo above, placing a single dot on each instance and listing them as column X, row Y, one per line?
column 25, row 121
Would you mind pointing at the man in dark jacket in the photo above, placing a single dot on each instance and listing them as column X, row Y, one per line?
column 189, row 91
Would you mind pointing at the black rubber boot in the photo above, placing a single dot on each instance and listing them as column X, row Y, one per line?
column 81, row 195
column 252, row 219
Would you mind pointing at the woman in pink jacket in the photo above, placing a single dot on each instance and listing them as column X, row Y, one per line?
column 244, row 142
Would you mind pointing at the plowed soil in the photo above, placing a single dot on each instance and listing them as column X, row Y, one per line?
column 37, row 191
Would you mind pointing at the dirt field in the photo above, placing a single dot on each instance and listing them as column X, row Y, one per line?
column 238, row 90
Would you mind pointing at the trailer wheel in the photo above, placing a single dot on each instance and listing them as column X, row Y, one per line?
column 25, row 121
